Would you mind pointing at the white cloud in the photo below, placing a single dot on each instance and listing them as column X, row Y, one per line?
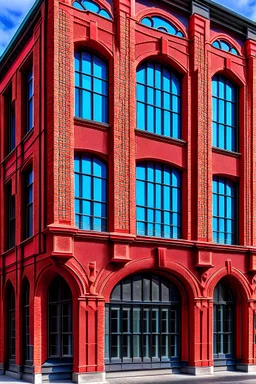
column 11, row 15
column 245, row 7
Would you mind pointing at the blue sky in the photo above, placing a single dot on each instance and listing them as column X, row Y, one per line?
column 12, row 13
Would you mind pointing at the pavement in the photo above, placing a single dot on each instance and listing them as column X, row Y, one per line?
column 220, row 377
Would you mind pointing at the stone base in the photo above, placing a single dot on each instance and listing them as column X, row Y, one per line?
column 14, row 375
column 197, row 371
column 246, row 367
column 90, row 377
column 1, row 369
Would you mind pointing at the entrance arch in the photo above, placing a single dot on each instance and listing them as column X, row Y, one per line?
column 142, row 324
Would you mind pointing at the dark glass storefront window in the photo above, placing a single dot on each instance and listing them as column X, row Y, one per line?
column 26, row 324
column 142, row 329
column 223, row 325
column 60, row 319
column 11, row 323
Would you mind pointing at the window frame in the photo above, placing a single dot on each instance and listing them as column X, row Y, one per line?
column 28, row 205
column 236, row 205
column 80, row 74
column 236, row 104
column 11, row 216
column 172, row 72
column 142, row 306
column 146, row 207
column 29, row 78
column 92, row 201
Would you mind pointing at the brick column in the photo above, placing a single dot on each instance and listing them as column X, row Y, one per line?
column 60, row 130
column 200, row 357
column 123, row 154
column 201, row 139
column 251, row 147
column 89, row 338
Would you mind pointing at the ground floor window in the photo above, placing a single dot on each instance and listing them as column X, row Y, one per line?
column 223, row 325
column 60, row 319
column 142, row 327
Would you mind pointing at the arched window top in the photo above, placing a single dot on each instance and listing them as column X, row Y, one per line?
column 146, row 288
column 222, row 294
column 59, row 290
column 90, row 165
column 225, row 46
column 89, row 5
column 163, row 25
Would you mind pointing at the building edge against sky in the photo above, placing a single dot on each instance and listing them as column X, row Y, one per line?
column 128, row 191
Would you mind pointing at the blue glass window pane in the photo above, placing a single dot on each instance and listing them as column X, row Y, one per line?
column 158, row 87
column 91, row 82
column 91, row 188
column 87, row 105
column 224, row 109
column 161, row 24
column 104, row 13
column 158, row 199
column 224, row 211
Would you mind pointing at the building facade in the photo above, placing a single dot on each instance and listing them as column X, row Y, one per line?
column 128, row 190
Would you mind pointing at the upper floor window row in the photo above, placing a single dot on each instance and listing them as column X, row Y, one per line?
column 158, row 99
column 162, row 25
column 225, row 46
column 88, row 5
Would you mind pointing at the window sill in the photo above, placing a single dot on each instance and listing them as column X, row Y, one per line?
column 165, row 139
column 27, row 240
column 90, row 124
column 226, row 152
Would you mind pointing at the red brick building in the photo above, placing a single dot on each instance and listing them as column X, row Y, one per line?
column 100, row 273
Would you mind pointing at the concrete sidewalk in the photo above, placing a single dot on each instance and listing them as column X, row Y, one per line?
column 219, row 378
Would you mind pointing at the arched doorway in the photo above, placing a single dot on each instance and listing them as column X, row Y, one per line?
column 142, row 324
column 223, row 326
column 59, row 364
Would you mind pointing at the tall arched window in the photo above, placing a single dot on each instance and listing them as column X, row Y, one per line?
column 142, row 324
column 90, row 193
column 223, row 325
column 60, row 320
column 158, row 100
column 224, row 211
column 27, row 348
column 11, row 323
column 158, row 191
column 91, row 87
column 224, row 114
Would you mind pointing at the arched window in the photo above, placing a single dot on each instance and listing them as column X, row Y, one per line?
column 224, row 211
column 89, row 5
column 161, row 24
column 224, row 46
column 224, row 114
column 223, row 325
column 91, row 87
column 90, row 193
column 60, row 320
column 158, row 192
column 27, row 348
column 158, row 100
column 142, row 324
column 11, row 323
